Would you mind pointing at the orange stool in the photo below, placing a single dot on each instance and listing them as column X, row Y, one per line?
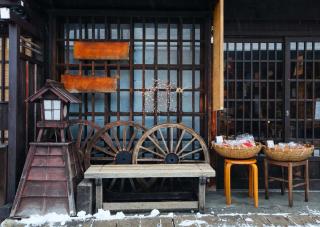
column 253, row 178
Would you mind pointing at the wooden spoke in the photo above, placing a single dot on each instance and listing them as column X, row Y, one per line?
column 124, row 138
column 191, row 152
column 131, row 140
column 151, row 151
column 114, row 135
column 107, row 139
column 103, row 150
column 132, row 184
column 163, row 141
column 187, row 145
column 171, row 139
column 111, row 185
column 180, row 139
column 157, row 145
column 121, row 184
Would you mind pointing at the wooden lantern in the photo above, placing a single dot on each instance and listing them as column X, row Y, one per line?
column 54, row 101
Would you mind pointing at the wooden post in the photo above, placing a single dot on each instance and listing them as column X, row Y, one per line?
column 202, row 193
column 16, row 134
column 99, row 194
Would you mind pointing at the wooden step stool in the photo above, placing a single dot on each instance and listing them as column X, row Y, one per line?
column 289, row 180
column 253, row 178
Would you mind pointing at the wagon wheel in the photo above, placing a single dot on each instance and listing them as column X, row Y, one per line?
column 171, row 144
column 114, row 144
column 84, row 132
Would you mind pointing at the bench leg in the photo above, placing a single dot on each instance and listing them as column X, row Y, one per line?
column 255, row 184
column 250, row 182
column 290, row 184
column 202, row 193
column 306, row 179
column 266, row 179
column 228, row 183
column 99, row 194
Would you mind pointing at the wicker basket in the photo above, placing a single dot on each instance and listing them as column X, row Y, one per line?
column 237, row 152
column 288, row 154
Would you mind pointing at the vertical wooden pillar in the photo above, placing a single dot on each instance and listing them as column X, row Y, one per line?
column 16, row 122
column 217, row 63
column 52, row 52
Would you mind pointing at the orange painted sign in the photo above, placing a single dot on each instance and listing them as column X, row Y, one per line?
column 83, row 84
column 101, row 50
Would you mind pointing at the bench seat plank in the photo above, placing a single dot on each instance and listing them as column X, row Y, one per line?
column 150, row 171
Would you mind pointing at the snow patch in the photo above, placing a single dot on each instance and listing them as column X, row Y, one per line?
column 106, row 215
column 192, row 222
column 154, row 213
column 36, row 220
column 248, row 219
column 170, row 215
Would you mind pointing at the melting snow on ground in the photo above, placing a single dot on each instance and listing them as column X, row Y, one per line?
column 105, row 215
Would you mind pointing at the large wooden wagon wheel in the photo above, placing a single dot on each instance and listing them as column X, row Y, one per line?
column 114, row 144
column 84, row 132
column 170, row 144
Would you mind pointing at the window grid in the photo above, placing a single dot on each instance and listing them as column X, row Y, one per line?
column 253, row 90
column 166, row 49
column 304, row 91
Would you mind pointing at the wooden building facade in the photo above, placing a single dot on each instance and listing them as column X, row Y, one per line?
column 270, row 59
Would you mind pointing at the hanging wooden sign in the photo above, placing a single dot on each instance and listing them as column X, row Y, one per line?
column 83, row 84
column 101, row 50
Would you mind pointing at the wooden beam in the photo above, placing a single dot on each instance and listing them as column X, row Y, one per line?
column 81, row 84
column 101, row 50
column 16, row 137
column 26, row 26
column 217, row 71
column 3, row 115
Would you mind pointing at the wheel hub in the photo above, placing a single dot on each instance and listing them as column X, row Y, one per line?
column 171, row 158
column 123, row 157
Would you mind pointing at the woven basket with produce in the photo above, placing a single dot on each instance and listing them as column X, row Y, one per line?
column 244, row 147
column 289, row 152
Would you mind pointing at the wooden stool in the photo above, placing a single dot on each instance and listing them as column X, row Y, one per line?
column 253, row 178
column 289, row 181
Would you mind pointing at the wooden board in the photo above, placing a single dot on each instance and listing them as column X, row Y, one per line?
column 85, row 84
column 164, row 205
column 101, row 50
column 150, row 170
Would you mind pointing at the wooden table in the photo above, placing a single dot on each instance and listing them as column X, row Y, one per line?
column 289, row 180
column 201, row 171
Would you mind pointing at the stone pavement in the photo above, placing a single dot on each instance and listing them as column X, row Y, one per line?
column 272, row 212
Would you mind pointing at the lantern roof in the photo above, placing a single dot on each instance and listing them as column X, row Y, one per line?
column 55, row 88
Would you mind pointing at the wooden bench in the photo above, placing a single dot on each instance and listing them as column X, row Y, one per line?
column 201, row 171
